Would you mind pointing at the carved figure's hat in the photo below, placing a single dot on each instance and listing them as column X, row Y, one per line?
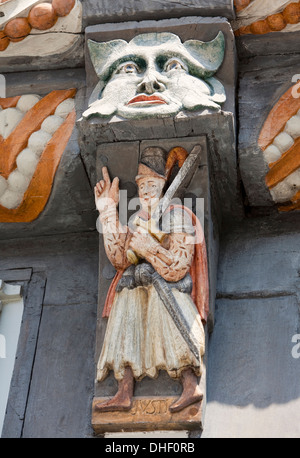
column 152, row 163
column 156, row 163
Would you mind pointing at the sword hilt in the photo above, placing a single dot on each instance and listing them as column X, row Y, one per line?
column 152, row 227
column 132, row 257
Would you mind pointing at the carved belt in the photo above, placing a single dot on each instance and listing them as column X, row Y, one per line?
column 144, row 275
column 135, row 276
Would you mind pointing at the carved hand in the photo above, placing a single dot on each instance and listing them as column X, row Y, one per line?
column 142, row 242
column 106, row 193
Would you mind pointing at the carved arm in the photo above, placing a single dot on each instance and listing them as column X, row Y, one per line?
column 116, row 238
column 172, row 262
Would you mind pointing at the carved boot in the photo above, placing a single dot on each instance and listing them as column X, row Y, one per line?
column 191, row 391
column 122, row 401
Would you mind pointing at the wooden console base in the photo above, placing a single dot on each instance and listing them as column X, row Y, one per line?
column 147, row 414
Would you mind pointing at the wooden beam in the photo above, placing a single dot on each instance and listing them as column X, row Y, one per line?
column 34, row 292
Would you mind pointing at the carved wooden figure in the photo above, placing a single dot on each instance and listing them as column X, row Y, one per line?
column 158, row 302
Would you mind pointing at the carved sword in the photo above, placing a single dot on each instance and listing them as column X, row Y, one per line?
column 147, row 275
column 181, row 181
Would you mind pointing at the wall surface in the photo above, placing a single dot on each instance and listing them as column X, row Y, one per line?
column 253, row 378
column 55, row 399
column 252, row 372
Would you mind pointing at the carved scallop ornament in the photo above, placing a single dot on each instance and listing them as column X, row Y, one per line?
column 34, row 133
column 280, row 142
column 29, row 21
column 258, row 17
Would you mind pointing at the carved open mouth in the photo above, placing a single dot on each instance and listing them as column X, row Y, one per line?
column 32, row 140
column 145, row 100
column 280, row 141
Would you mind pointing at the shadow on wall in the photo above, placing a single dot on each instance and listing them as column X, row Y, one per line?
column 251, row 353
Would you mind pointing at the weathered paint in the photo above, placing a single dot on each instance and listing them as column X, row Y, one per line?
column 38, row 191
column 156, row 75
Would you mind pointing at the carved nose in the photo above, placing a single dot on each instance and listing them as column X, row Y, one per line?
column 151, row 84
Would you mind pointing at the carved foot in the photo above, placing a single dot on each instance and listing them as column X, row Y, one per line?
column 185, row 401
column 122, row 401
column 191, row 391
column 117, row 403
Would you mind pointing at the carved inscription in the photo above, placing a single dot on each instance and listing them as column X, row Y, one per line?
column 150, row 407
column 147, row 414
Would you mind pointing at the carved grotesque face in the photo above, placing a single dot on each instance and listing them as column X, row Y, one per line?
column 150, row 191
column 155, row 75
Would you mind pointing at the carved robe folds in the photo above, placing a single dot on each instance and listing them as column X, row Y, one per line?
column 140, row 332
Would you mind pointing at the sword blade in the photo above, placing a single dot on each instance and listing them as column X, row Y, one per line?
column 169, row 301
column 181, row 180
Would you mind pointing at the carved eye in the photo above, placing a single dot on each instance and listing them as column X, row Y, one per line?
column 129, row 67
column 174, row 65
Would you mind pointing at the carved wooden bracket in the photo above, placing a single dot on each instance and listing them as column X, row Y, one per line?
column 154, row 101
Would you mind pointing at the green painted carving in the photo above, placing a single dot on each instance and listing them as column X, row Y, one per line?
column 156, row 75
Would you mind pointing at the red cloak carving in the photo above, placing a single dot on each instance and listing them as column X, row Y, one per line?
column 198, row 272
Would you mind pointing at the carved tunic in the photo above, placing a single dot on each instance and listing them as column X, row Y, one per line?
column 140, row 332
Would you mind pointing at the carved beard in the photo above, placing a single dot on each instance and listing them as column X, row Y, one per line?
column 183, row 93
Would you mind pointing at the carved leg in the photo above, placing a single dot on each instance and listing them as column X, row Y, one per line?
column 122, row 401
column 191, row 391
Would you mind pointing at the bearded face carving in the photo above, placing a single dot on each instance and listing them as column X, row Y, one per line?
column 156, row 75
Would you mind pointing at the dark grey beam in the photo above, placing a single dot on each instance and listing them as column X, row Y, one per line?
column 103, row 11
